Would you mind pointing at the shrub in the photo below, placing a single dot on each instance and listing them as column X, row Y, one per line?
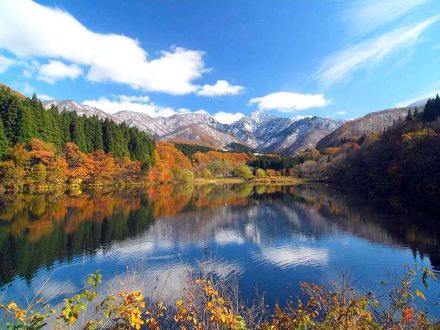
column 184, row 176
column 206, row 173
column 243, row 172
column 260, row 173
column 207, row 303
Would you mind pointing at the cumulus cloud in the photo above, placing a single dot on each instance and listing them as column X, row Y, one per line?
column 45, row 97
column 56, row 70
column 5, row 63
column 365, row 16
column 131, row 103
column 289, row 102
column 220, row 88
column 227, row 117
column 340, row 65
column 28, row 29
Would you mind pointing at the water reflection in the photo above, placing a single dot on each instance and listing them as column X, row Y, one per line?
column 269, row 236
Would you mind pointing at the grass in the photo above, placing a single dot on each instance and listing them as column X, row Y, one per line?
column 279, row 180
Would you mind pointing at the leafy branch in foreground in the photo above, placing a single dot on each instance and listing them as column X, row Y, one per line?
column 207, row 303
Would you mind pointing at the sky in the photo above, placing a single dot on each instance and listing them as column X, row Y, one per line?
column 229, row 58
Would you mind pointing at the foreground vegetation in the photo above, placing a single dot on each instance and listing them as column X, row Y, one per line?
column 207, row 303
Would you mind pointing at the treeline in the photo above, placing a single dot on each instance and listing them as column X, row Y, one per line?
column 403, row 160
column 43, row 150
column 172, row 164
column 22, row 119
column 190, row 149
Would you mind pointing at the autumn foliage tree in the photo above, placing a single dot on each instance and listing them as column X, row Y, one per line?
column 168, row 160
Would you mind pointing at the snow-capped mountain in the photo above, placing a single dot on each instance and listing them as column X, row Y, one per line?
column 80, row 109
column 142, row 121
column 260, row 130
column 295, row 135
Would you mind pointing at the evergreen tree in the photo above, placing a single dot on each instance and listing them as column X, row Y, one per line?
column 98, row 143
column 26, row 118
column 409, row 116
column 4, row 143
column 25, row 126
column 416, row 114
column 432, row 109
column 77, row 134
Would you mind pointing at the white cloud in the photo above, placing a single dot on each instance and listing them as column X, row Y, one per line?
column 130, row 103
column 56, row 70
column 28, row 29
column 183, row 110
column 131, row 98
column 289, row 102
column 45, row 97
column 227, row 117
column 341, row 113
column 24, row 88
column 29, row 67
column 220, row 88
column 5, row 63
column 421, row 97
column 365, row 16
column 371, row 51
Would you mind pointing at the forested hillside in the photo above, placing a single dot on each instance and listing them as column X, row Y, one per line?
column 42, row 149
column 404, row 159
column 25, row 118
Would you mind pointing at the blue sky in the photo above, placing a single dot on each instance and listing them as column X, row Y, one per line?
column 333, row 58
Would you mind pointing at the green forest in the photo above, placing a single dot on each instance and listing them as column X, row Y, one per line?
column 22, row 119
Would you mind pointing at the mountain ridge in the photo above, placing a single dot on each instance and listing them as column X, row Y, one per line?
column 261, row 130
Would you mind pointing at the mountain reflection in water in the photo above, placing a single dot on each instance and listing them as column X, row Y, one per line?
column 270, row 237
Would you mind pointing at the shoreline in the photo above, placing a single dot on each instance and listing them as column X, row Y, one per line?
column 269, row 181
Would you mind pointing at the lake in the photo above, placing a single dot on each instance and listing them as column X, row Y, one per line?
column 268, row 238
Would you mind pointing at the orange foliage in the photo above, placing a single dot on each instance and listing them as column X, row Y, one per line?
column 167, row 161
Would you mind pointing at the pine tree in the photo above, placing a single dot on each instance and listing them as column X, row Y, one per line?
column 77, row 133
column 98, row 143
column 432, row 109
column 4, row 143
column 409, row 116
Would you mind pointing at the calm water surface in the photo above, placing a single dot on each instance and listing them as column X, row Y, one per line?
column 269, row 238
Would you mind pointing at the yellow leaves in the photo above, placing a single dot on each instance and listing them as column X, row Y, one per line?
column 206, row 304
column 19, row 314
column 423, row 133
column 420, row 294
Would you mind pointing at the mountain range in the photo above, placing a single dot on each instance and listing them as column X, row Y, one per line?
column 260, row 131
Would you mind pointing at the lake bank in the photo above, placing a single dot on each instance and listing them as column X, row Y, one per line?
column 282, row 180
